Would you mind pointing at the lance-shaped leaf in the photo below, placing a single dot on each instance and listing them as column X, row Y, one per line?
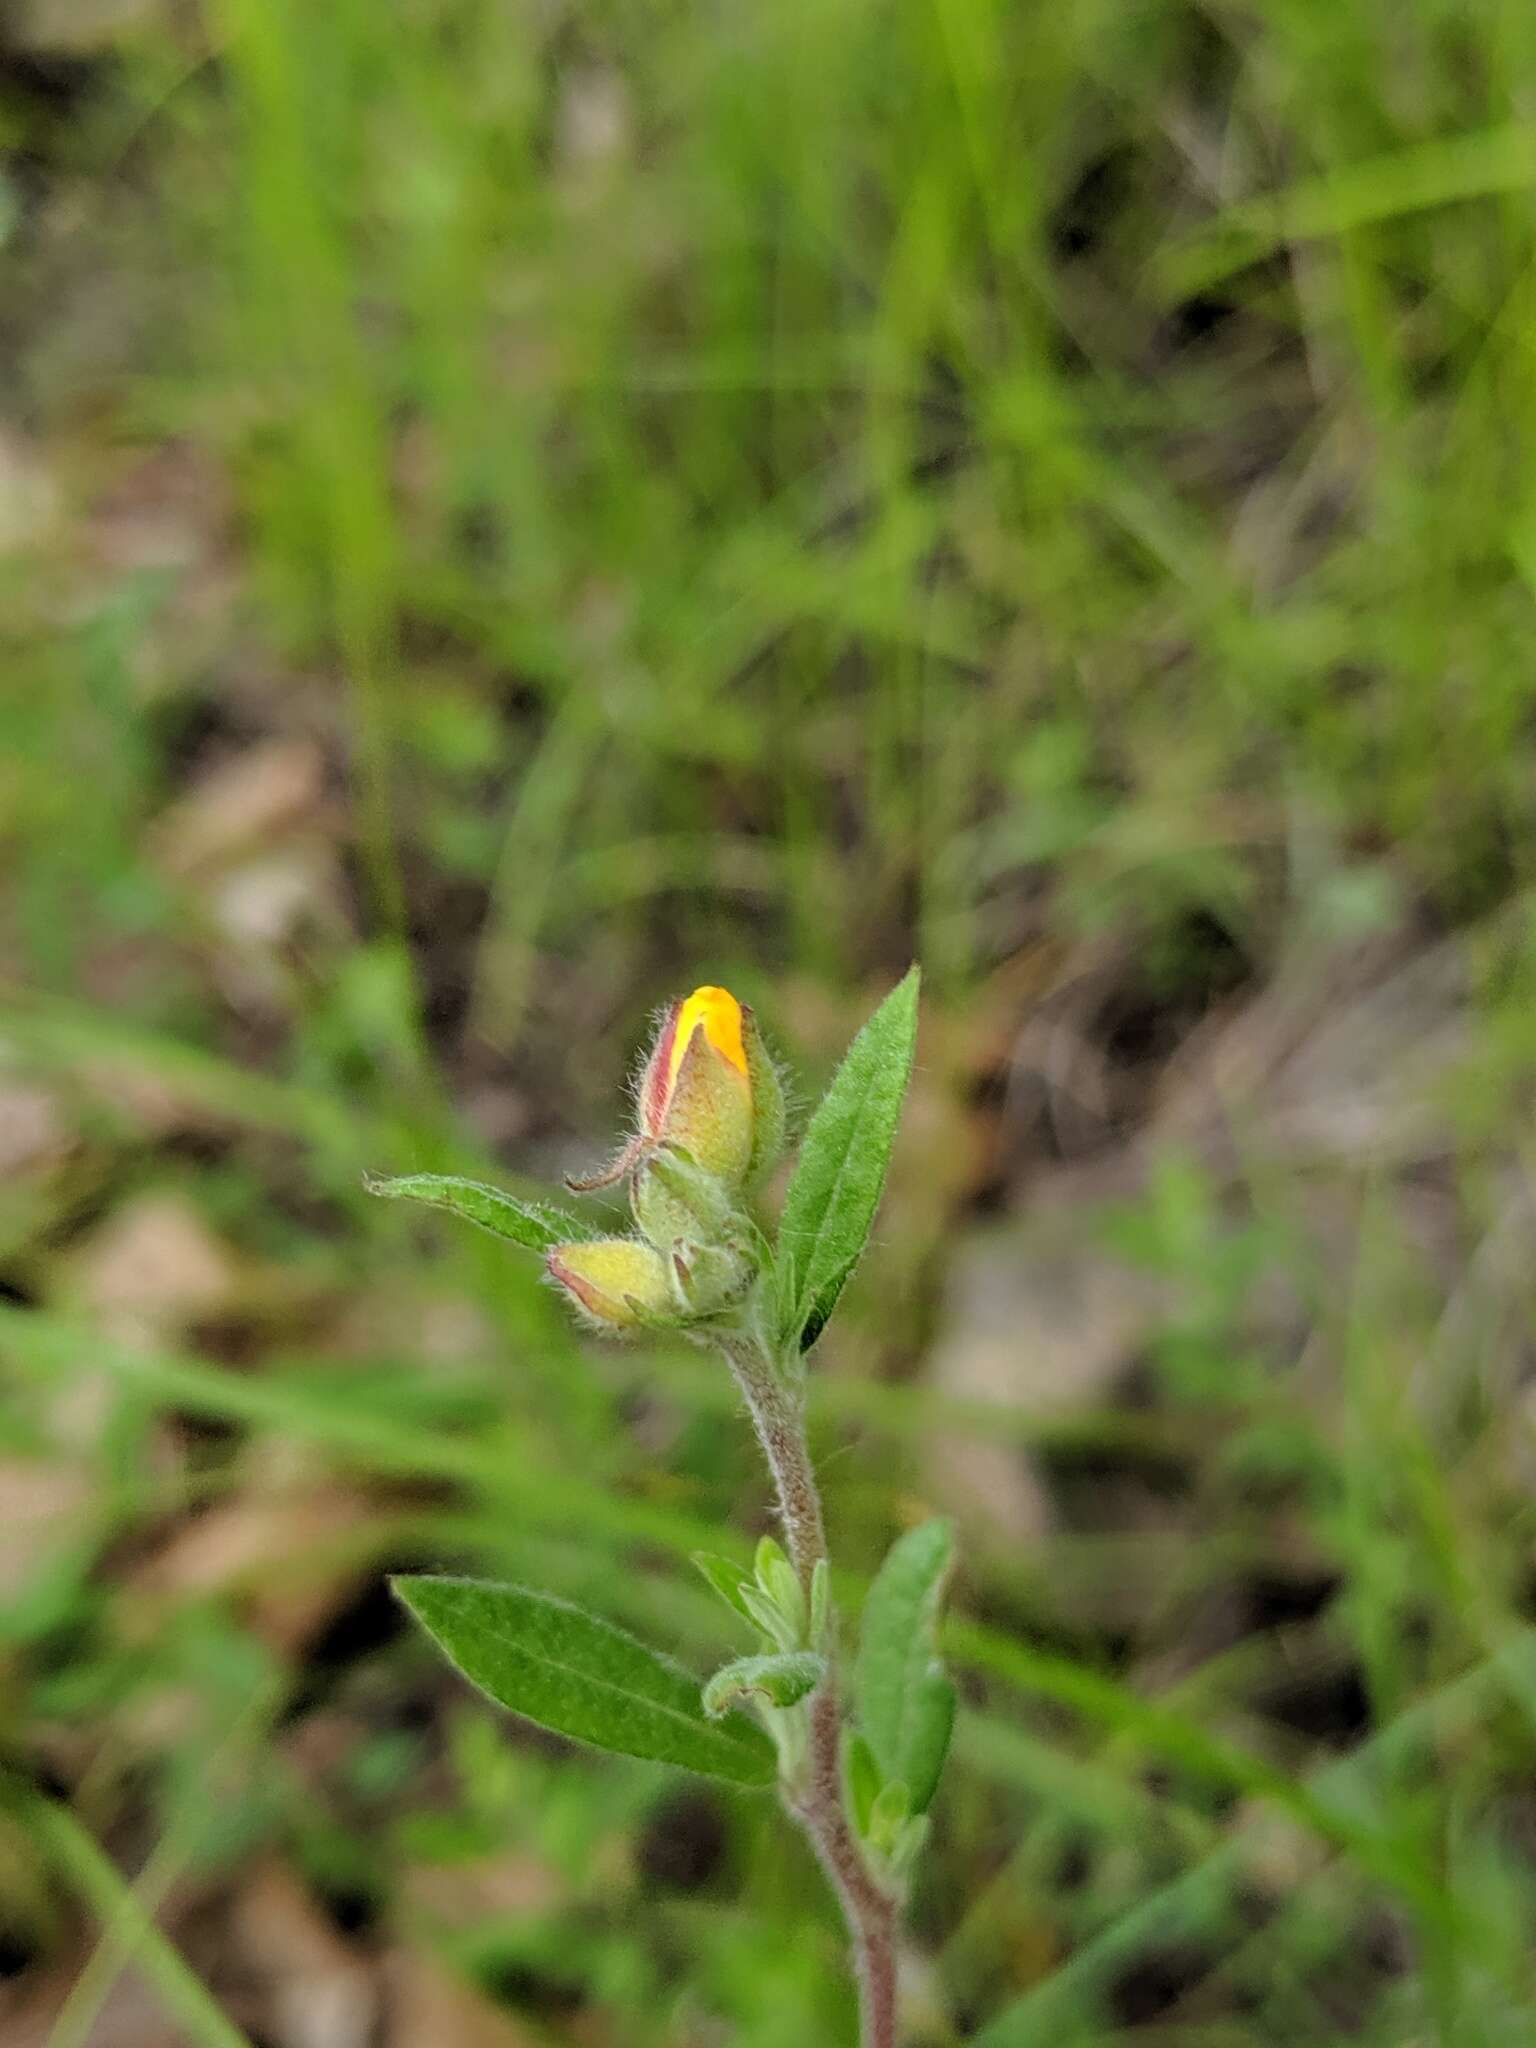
column 726, row 1578
column 836, row 1188
column 781, row 1680
column 529, row 1224
column 905, row 1697
column 567, row 1670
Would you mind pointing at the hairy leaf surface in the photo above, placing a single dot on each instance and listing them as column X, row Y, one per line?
column 530, row 1224
column 572, row 1672
column 836, row 1188
column 906, row 1698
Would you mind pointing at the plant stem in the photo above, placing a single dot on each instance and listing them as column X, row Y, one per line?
column 816, row 1799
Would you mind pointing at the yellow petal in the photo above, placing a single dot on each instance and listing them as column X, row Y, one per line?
column 719, row 1014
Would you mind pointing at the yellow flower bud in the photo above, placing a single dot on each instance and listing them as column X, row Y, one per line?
column 616, row 1282
column 697, row 1089
column 709, row 1090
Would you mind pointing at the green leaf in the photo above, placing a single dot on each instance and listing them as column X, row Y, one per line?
column 905, row 1697
column 781, row 1680
column 530, row 1224
column 908, row 1841
column 841, row 1170
column 567, row 1670
column 726, row 1578
column 768, row 1619
column 889, row 1814
column 863, row 1778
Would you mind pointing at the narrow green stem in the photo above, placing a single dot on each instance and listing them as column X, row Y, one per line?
column 815, row 1797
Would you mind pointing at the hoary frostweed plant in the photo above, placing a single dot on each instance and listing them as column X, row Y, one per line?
column 854, row 1744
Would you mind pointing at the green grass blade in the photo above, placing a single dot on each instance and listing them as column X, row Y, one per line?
column 1447, row 171
column 80, row 1860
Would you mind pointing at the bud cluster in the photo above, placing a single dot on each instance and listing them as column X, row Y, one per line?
column 710, row 1127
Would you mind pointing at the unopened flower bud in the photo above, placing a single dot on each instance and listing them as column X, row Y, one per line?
column 697, row 1089
column 673, row 1199
column 708, row 1277
column 709, row 1093
column 617, row 1283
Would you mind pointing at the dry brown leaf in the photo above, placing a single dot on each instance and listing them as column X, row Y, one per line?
column 40, row 1505
column 148, row 1273
column 439, row 1330
column 265, row 903
column 29, row 498
column 1042, row 1326
column 147, row 1102
column 75, row 28
column 131, row 2016
column 426, row 2006
column 165, row 506
column 594, row 123
column 153, row 1268
column 240, row 806
column 32, row 1132
column 285, row 1556
column 452, row 1894
column 1343, row 1054
column 316, row 1991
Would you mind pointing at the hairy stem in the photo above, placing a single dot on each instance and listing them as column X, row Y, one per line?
column 816, row 1798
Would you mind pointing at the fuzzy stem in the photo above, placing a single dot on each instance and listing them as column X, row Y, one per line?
column 816, row 1798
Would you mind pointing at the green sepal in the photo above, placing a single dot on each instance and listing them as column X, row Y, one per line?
column 707, row 1278
column 768, row 1113
column 782, row 1680
column 674, row 1197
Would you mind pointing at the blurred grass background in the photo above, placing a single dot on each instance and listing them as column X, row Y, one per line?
column 508, row 512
